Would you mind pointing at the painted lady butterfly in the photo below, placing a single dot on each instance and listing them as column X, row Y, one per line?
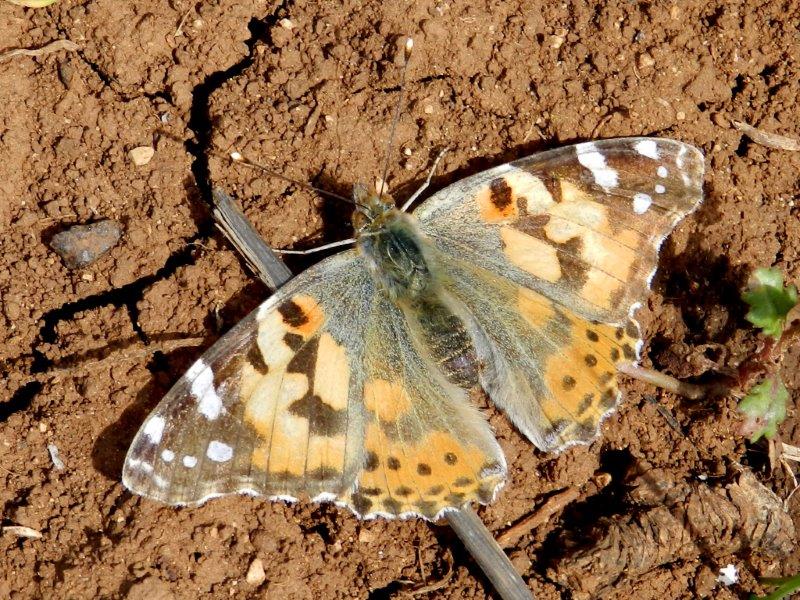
column 350, row 384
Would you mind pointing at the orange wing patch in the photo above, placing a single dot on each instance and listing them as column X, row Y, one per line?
column 499, row 202
column 582, row 377
column 530, row 254
column 536, row 309
column 297, row 402
column 387, row 400
column 434, row 473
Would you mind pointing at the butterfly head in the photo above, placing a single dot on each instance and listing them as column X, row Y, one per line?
column 373, row 210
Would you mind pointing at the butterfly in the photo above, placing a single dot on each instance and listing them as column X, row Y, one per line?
column 352, row 383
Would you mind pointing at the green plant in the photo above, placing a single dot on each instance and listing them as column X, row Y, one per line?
column 764, row 405
column 786, row 587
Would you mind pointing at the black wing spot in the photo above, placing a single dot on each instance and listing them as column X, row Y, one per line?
column 500, row 193
column 393, row 463
column 568, row 382
column 592, row 335
column 372, row 462
column 423, row 469
column 450, row 458
column 293, row 315
column 256, row 359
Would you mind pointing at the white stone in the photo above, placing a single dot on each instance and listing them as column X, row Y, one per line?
column 255, row 574
column 728, row 575
column 141, row 155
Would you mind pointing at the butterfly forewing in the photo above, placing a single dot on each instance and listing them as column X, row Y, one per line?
column 270, row 409
column 581, row 224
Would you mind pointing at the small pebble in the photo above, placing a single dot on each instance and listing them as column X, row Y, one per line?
column 57, row 462
column 255, row 574
column 81, row 245
column 646, row 60
column 141, row 155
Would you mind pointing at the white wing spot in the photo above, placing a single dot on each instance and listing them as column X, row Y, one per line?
column 660, row 189
column 202, row 378
column 189, row 462
column 680, row 158
column 592, row 159
column 641, row 202
column 135, row 463
column 662, row 171
column 647, row 148
column 167, row 455
column 219, row 451
column 154, row 429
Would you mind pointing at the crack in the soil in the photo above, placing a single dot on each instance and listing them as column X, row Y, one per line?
column 131, row 294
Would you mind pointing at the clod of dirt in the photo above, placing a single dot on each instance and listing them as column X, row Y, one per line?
column 690, row 518
column 81, row 245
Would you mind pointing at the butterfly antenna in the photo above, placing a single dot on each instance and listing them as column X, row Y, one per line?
column 238, row 158
column 406, row 56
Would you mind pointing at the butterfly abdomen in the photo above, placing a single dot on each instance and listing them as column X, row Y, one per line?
column 446, row 339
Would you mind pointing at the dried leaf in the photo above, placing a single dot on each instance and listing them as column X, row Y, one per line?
column 771, row 140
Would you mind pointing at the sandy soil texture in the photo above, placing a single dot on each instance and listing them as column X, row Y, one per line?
column 308, row 88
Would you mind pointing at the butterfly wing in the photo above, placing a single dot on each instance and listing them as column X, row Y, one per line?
column 428, row 448
column 319, row 392
column 269, row 409
column 552, row 254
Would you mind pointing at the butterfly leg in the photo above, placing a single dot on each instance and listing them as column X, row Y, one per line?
column 425, row 185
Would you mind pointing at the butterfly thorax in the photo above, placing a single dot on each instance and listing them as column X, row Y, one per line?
column 392, row 247
column 398, row 257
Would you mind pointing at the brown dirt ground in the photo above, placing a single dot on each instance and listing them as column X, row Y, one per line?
column 492, row 81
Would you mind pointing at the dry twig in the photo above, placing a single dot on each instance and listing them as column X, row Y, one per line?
column 46, row 49
column 771, row 140
column 551, row 506
column 21, row 531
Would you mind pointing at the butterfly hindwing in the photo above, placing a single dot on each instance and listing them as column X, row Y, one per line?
column 552, row 254
column 552, row 371
column 429, row 449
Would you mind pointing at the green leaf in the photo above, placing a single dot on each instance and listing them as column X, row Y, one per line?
column 765, row 408
column 769, row 301
column 786, row 587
